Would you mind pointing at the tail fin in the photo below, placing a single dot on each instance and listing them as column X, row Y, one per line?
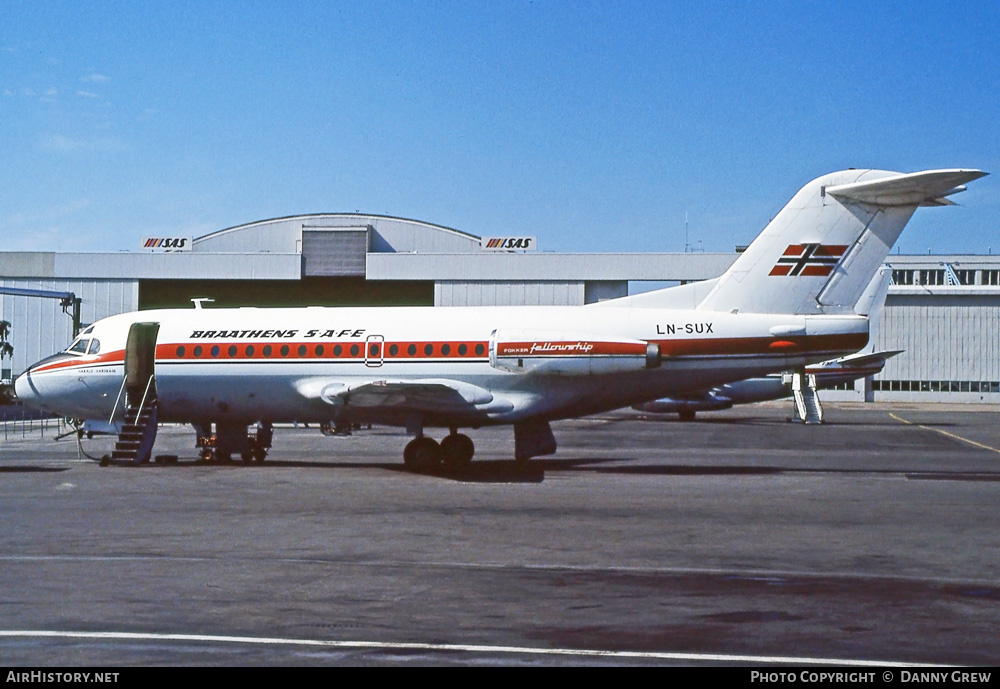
column 820, row 252
column 872, row 303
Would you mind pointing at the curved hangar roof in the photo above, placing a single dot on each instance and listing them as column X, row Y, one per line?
column 382, row 234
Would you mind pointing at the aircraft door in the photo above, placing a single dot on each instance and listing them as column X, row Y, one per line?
column 374, row 350
column 140, row 357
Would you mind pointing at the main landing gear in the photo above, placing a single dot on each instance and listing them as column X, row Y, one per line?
column 425, row 454
column 233, row 439
column 258, row 442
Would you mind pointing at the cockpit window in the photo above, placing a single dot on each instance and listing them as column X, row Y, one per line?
column 87, row 331
column 79, row 347
column 95, row 346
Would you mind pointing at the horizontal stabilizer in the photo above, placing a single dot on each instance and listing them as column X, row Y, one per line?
column 927, row 188
column 864, row 360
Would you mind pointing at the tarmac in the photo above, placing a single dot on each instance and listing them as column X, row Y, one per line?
column 739, row 539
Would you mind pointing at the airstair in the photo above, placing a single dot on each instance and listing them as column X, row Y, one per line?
column 808, row 408
column 135, row 410
column 138, row 433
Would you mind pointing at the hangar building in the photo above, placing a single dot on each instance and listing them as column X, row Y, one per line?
column 944, row 311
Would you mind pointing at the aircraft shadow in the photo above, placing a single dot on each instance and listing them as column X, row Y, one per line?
column 535, row 471
column 31, row 470
column 503, row 471
column 490, row 471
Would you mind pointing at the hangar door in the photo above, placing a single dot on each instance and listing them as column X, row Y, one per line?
column 334, row 252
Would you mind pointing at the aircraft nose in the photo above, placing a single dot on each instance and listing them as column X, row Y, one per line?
column 24, row 389
column 27, row 392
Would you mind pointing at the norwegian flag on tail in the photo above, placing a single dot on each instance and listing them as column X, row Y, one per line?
column 808, row 259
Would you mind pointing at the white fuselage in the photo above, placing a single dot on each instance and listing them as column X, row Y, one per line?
column 504, row 364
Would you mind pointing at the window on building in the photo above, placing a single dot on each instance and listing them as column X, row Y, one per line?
column 932, row 277
column 966, row 276
column 902, row 277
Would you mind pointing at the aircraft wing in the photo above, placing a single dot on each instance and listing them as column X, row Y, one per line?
column 434, row 395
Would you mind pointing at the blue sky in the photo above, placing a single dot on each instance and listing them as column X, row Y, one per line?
column 595, row 126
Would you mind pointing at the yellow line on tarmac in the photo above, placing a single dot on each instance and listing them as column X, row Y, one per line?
column 950, row 435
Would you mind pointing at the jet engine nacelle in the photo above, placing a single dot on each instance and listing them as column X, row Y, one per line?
column 561, row 353
column 692, row 403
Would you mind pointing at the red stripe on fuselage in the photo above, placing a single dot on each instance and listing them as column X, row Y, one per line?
column 571, row 348
column 730, row 346
column 83, row 362
column 849, row 342
column 303, row 351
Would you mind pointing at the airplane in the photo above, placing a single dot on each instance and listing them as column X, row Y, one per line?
column 788, row 301
column 775, row 386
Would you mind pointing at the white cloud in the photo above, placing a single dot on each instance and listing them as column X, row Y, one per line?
column 95, row 79
column 87, row 94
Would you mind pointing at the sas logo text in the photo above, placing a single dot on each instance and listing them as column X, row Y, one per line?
column 167, row 243
column 508, row 243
